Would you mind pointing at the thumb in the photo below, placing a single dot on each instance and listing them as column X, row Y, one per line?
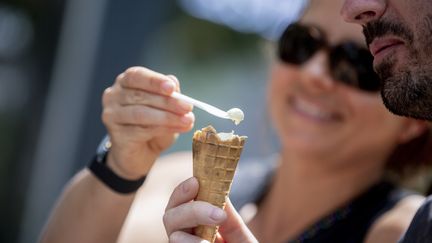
column 234, row 228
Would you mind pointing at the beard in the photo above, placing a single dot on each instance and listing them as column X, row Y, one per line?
column 407, row 92
column 407, row 87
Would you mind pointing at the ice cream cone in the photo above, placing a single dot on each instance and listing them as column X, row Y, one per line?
column 215, row 160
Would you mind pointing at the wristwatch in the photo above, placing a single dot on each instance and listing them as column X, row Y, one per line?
column 108, row 177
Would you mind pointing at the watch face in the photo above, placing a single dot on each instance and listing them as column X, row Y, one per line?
column 103, row 148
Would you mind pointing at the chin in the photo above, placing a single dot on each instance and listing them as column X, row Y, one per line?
column 409, row 108
column 406, row 88
column 407, row 97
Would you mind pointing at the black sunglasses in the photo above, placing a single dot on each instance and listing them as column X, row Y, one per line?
column 349, row 63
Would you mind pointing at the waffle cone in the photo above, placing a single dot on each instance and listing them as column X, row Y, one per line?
column 214, row 165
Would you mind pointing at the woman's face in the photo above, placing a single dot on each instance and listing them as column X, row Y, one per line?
column 312, row 112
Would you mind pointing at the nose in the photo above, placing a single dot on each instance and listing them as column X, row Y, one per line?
column 316, row 73
column 363, row 11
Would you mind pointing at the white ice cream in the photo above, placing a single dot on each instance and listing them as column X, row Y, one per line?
column 224, row 136
column 236, row 115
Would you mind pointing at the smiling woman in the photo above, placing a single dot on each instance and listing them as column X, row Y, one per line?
column 325, row 184
column 337, row 142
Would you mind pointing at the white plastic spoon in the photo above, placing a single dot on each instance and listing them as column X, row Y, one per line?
column 234, row 114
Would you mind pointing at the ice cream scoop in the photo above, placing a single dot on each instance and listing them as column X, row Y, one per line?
column 234, row 114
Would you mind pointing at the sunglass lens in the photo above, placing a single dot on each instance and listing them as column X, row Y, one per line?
column 298, row 43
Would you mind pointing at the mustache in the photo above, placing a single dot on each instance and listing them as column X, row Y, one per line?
column 379, row 28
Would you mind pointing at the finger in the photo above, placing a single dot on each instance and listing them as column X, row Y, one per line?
column 139, row 97
column 184, row 192
column 234, row 229
column 146, row 116
column 177, row 83
column 108, row 97
column 146, row 79
column 219, row 238
column 183, row 237
column 191, row 214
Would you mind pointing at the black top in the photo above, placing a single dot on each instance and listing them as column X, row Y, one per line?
column 420, row 229
column 348, row 224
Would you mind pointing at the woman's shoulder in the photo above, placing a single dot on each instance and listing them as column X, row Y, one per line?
column 391, row 225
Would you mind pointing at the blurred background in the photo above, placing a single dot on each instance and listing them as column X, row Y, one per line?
column 57, row 57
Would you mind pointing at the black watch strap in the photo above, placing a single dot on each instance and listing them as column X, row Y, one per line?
column 118, row 184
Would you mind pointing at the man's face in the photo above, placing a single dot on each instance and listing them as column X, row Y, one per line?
column 399, row 36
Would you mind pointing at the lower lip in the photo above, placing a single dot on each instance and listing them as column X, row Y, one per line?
column 378, row 57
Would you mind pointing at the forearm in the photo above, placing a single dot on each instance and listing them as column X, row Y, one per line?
column 88, row 211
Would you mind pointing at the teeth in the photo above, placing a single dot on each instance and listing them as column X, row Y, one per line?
column 311, row 110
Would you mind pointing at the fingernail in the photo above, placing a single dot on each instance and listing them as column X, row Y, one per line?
column 186, row 119
column 217, row 214
column 168, row 87
column 185, row 106
column 185, row 187
column 174, row 78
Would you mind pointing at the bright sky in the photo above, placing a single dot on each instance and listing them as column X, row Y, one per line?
column 267, row 18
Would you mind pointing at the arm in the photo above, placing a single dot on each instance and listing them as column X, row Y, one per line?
column 392, row 225
column 142, row 121
column 182, row 215
column 87, row 211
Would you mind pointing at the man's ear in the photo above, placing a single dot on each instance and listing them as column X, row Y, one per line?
column 413, row 129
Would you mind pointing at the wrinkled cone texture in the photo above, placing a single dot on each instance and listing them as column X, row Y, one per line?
column 214, row 165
